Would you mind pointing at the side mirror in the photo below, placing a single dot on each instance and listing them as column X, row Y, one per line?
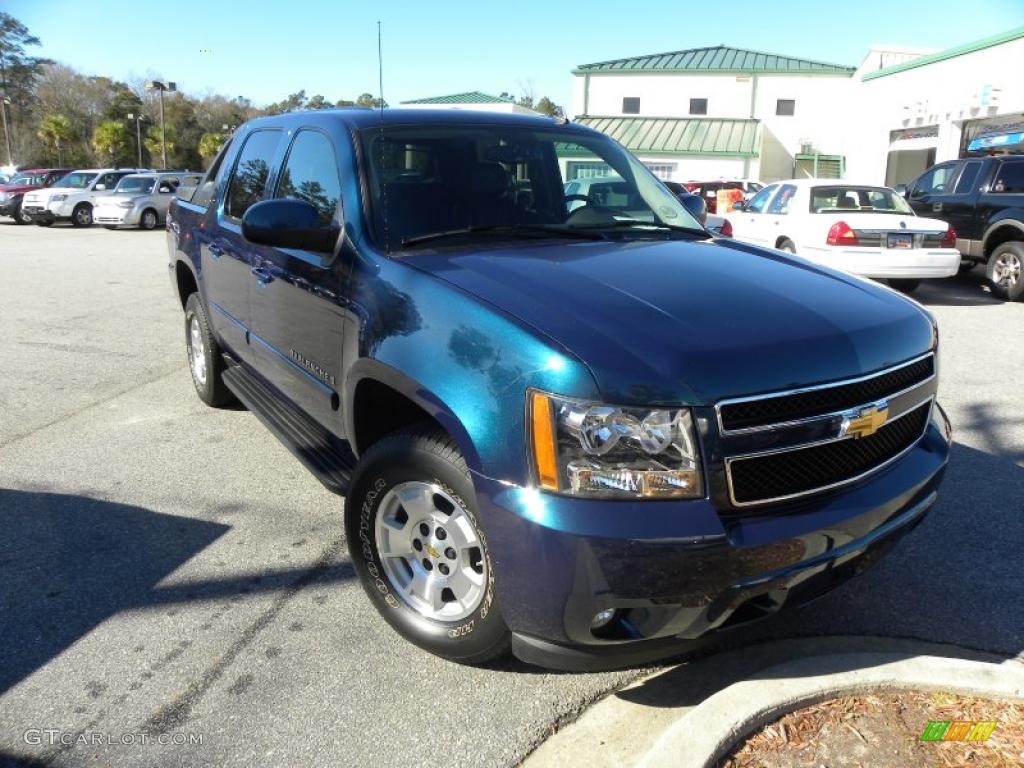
column 288, row 224
column 695, row 206
column 100, row 187
column 164, row 189
column 739, row 205
column 901, row 190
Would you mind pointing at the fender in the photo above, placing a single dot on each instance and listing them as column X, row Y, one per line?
column 1008, row 217
column 374, row 370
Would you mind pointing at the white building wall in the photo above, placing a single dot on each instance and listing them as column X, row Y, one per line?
column 695, row 168
column 944, row 93
column 665, row 95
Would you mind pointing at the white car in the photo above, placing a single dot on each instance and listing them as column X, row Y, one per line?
column 73, row 197
column 858, row 228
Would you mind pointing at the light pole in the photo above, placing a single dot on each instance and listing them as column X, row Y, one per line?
column 156, row 85
column 4, row 101
column 138, row 132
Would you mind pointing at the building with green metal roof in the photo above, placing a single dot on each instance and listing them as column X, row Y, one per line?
column 477, row 100
column 717, row 111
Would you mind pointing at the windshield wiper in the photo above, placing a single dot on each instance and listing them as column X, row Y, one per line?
column 529, row 230
column 621, row 223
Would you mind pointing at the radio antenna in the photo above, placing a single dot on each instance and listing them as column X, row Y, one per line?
column 383, row 181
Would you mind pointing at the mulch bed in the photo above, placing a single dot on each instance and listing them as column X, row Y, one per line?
column 883, row 730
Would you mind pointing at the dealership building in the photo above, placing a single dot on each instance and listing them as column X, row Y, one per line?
column 728, row 112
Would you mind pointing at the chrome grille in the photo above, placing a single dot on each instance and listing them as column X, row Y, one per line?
column 786, row 445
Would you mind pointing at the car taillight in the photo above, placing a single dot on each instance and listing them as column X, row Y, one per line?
column 841, row 234
column 691, row 187
column 949, row 239
column 726, row 230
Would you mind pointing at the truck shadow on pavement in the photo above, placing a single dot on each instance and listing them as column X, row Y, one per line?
column 68, row 563
column 966, row 290
column 954, row 580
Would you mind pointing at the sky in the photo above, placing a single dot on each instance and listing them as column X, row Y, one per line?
column 267, row 50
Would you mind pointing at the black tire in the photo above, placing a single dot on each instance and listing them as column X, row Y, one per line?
column 82, row 215
column 904, row 285
column 19, row 216
column 1005, row 271
column 966, row 267
column 211, row 388
column 148, row 219
column 426, row 455
column 786, row 245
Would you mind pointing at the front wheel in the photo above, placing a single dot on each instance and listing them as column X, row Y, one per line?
column 148, row 219
column 1004, row 271
column 787, row 246
column 416, row 542
column 904, row 286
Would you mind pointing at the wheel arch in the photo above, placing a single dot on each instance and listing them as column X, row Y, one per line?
column 381, row 400
column 185, row 280
column 1002, row 231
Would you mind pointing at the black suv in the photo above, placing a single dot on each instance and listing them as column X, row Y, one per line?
column 982, row 198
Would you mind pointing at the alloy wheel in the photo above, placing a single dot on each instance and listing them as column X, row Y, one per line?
column 196, row 351
column 1006, row 270
column 431, row 551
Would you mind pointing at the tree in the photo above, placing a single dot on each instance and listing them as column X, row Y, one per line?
column 55, row 130
column 18, row 74
column 369, row 100
column 318, row 102
column 153, row 144
column 209, row 146
column 110, row 140
column 547, row 107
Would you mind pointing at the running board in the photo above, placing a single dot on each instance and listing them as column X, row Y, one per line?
column 327, row 457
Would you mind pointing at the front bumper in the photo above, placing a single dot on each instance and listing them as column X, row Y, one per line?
column 677, row 573
column 121, row 217
column 912, row 263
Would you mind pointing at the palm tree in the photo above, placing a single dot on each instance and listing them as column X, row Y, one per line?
column 209, row 146
column 55, row 129
column 110, row 139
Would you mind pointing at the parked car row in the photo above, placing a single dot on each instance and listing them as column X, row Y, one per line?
column 113, row 197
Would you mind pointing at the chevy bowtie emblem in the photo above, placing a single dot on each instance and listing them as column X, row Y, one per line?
column 863, row 422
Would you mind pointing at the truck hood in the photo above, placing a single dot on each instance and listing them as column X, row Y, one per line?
column 692, row 321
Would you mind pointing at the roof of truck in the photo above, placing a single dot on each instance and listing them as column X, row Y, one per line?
column 359, row 117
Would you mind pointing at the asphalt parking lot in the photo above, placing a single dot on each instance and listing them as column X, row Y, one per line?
column 168, row 568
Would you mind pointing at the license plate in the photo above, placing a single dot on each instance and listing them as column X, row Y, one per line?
column 900, row 240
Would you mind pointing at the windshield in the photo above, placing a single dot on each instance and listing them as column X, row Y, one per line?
column 135, row 185
column 485, row 180
column 76, row 180
column 840, row 199
column 28, row 180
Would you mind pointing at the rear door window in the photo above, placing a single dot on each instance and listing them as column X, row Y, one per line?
column 249, row 180
column 967, row 182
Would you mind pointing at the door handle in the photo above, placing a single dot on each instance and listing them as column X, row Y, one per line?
column 262, row 276
column 215, row 251
column 936, row 207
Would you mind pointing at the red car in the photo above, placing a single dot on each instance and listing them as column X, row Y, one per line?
column 14, row 190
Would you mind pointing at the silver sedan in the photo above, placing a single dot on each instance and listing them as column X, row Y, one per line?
column 141, row 199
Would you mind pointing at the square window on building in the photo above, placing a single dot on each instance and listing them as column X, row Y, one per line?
column 663, row 171
column 698, row 106
column 786, row 107
column 631, row 105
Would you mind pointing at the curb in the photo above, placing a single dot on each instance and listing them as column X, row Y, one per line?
column 691, row 714
column 707, row 733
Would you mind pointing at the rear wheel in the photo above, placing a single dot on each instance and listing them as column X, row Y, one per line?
column 1004, row 271
column 148, row 219
column 20, row 217
column 904, row 286
column 82, row 215
column 416, row 543
column 786, row 245
column 204, row 356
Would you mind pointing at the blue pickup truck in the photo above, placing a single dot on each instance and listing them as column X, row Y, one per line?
column 579, row 429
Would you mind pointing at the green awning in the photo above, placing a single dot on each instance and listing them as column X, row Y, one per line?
column 681, row 136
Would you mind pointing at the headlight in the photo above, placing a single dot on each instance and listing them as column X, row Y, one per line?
column 58, row 198
column 590, row 449
column 3, row 197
